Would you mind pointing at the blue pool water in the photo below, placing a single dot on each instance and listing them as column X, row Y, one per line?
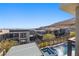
column 60, row 50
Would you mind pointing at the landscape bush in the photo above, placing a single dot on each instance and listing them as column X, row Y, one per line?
column 7, row 44
column 48, row 36
column 72, row 34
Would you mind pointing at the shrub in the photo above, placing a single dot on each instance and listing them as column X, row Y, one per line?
column 48, row 36
column 72, row 34
column 43, row 44
column 7, row 44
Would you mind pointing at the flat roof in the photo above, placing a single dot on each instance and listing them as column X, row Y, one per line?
column 30, row 49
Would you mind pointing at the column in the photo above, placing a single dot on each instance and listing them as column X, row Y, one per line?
column 69, row 48
column 19, row 37
column 28, row 36
column 77, row 31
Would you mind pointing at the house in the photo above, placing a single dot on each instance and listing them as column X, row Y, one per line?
column 20, row 35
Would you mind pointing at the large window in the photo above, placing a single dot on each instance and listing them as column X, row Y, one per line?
column 22, row 35
column 15, row 35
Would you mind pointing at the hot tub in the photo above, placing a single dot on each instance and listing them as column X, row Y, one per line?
column 57, row 50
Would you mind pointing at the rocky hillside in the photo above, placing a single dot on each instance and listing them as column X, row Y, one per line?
column 67, row 23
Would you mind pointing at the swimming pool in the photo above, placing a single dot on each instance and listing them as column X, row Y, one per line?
column 59, row 50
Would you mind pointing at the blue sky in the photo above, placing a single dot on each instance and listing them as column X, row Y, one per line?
column 31, row 15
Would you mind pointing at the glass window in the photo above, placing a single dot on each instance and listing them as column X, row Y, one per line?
column 15, row 35
column 22, row 35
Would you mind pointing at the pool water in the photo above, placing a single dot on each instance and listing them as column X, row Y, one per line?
column 60, row 50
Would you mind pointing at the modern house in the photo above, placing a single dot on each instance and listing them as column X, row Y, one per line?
column 20, row 35
column 23, row 36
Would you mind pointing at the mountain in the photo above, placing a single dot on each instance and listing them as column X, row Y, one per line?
column 70, row 23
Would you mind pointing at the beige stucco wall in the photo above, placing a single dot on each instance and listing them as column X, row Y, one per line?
column 3, row 31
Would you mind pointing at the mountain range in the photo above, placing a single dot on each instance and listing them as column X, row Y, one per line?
column 70, row 23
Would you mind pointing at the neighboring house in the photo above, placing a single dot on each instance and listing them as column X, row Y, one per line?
column 20, row 35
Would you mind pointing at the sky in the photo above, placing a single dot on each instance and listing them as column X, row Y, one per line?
column 31, row 15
